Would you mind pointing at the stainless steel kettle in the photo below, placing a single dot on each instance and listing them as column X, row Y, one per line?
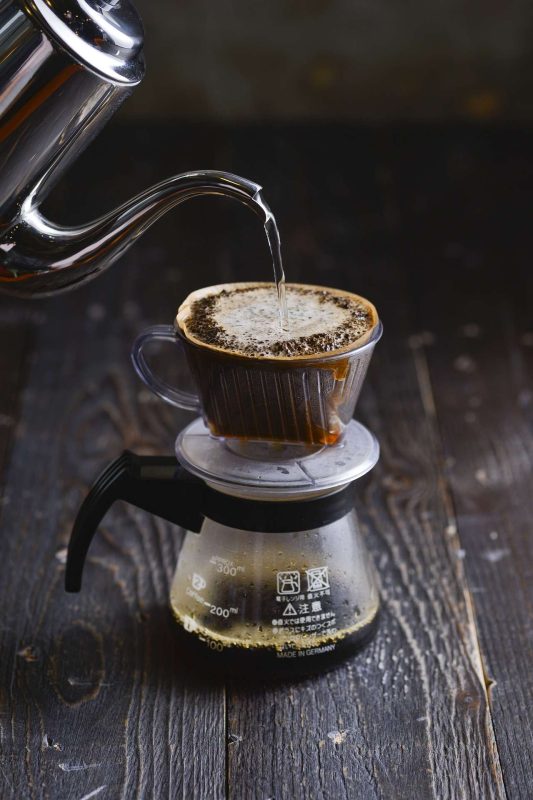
column 65, row 67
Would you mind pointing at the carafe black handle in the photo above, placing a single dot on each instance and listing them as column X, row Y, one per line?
column 154, row 483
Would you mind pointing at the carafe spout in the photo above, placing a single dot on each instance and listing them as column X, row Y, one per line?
column 38, row 257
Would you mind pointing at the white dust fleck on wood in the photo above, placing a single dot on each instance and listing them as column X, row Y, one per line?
column 338, row 737
column 495, row 555
column 94, row 792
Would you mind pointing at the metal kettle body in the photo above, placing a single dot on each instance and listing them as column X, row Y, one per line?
column 65, row 67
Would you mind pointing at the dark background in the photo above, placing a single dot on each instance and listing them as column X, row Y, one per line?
column 359, row 60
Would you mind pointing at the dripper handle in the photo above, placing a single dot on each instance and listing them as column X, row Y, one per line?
column 170, row 394
column 154, row 483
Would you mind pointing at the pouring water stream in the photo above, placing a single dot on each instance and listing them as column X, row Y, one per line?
column 274, row 243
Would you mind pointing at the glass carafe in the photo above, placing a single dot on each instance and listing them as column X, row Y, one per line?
column 277, row 599
column 280, row 585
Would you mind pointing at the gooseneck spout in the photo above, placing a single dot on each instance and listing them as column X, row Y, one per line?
column 38, row 257
column 66, row 65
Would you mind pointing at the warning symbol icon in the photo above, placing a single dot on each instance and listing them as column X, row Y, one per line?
column 289, row 611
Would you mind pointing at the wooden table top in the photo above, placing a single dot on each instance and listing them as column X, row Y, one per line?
column 96, row 699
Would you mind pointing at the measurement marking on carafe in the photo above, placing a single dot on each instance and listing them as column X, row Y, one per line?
column 219, row 611
column 226, row 567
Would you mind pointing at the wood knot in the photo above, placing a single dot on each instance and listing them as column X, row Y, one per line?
column 29, row 653
column 397, row 483
column 468, row 700
column 77, row 664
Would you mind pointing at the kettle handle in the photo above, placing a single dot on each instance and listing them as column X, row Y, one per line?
column 154, row 483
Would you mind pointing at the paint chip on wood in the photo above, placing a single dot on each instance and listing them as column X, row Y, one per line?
column 49, row 743
column 481, row 476
column 471, row 330
column 96, row 312
column 76, row 767
column 338, row 737
column 28, row 653
column 495, row 555
column 465, row 364
column 94, row 792
column 450, row 529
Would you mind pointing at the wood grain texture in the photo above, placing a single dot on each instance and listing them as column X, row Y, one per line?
column 17, row 323
column 96, row 696
column 410, row 715
column 410, row 711
column 481, row 367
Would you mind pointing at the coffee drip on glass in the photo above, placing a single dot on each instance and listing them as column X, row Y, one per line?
column 272, row 572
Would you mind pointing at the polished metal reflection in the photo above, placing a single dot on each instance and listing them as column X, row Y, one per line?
column 41, row 258
column 53, row 101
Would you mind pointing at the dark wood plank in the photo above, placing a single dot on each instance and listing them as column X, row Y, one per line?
column 481, row 367
column 96, row 693
column 409, row 717
column 96, row 698
column 17, row 323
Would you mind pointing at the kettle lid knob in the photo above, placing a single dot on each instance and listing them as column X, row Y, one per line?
column 106, row 36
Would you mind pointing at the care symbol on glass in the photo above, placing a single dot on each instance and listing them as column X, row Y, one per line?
column 288, row 582
column 317, row 579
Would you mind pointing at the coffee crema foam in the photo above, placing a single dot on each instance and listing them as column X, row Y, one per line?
column 243, row 319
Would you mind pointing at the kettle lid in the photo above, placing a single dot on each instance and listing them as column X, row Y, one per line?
column 105, row 35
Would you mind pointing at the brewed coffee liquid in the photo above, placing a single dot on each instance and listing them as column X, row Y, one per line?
column 241, row 645
column 268, row 660
column 258, row 382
